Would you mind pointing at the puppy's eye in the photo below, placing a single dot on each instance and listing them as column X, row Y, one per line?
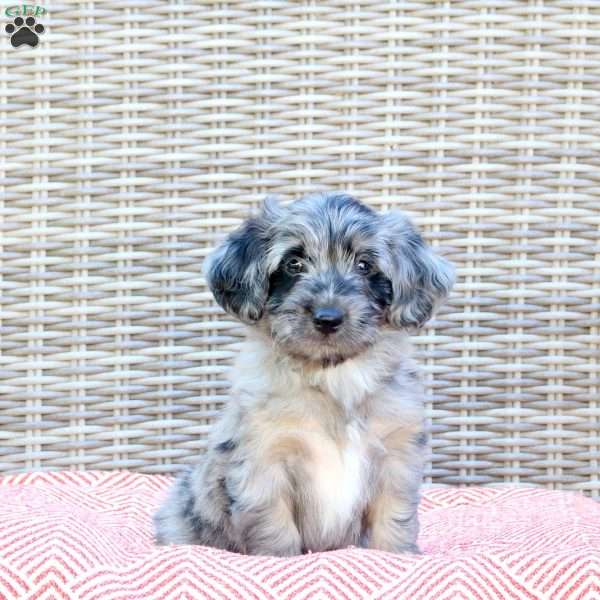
column 294, row 265
column 363, row 266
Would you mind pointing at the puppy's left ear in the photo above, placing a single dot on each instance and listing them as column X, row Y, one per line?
column 421, row 279
column 236, row 271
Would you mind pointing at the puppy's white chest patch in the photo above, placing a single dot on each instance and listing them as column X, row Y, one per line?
column 337, row 475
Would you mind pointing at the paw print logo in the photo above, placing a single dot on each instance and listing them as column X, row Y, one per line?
column 24, row 31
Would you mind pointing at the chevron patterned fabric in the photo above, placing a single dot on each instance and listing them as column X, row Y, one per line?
column 88, row 535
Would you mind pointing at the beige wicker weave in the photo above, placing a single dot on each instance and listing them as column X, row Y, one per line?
column 137, row 132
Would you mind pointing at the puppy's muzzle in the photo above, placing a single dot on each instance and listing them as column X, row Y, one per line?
column 327, row 319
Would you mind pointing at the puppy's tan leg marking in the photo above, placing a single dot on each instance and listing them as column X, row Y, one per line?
column 392, row 520
column 266, row 517
column 393, row 523
column 269, row 530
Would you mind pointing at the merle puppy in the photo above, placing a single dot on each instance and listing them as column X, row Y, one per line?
column 322, row 443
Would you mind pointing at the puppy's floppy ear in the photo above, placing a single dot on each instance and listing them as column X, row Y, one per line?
column 421, row 279
column 236, row 271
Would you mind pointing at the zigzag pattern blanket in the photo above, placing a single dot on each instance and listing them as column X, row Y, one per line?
column 88, row 535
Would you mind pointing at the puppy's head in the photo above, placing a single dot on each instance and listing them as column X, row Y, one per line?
column 325, row 274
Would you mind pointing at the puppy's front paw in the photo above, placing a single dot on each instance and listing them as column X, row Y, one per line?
column 396, row 532
column 396, row 548
column 268, row 532
column 408, row 549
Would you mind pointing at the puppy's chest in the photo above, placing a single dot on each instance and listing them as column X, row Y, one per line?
column 336, row 472
column 328, row 466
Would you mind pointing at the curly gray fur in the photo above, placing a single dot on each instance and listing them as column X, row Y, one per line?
column 322, row 443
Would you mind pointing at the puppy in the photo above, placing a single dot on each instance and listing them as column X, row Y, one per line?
column 322, row 443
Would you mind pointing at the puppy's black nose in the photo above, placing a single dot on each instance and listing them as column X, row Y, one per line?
column 327, row 319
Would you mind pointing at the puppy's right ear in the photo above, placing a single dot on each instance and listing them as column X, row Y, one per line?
column 236, row 271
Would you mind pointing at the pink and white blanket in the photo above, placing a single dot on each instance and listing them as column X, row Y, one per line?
column 88, row 535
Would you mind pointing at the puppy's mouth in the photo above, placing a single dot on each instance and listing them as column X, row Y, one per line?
column 325, row 350
column 323, row 361
column 322, row 338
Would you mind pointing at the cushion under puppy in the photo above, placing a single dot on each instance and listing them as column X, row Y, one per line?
column 322, row 444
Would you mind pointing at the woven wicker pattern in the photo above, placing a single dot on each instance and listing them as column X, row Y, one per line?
column 137, row 132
